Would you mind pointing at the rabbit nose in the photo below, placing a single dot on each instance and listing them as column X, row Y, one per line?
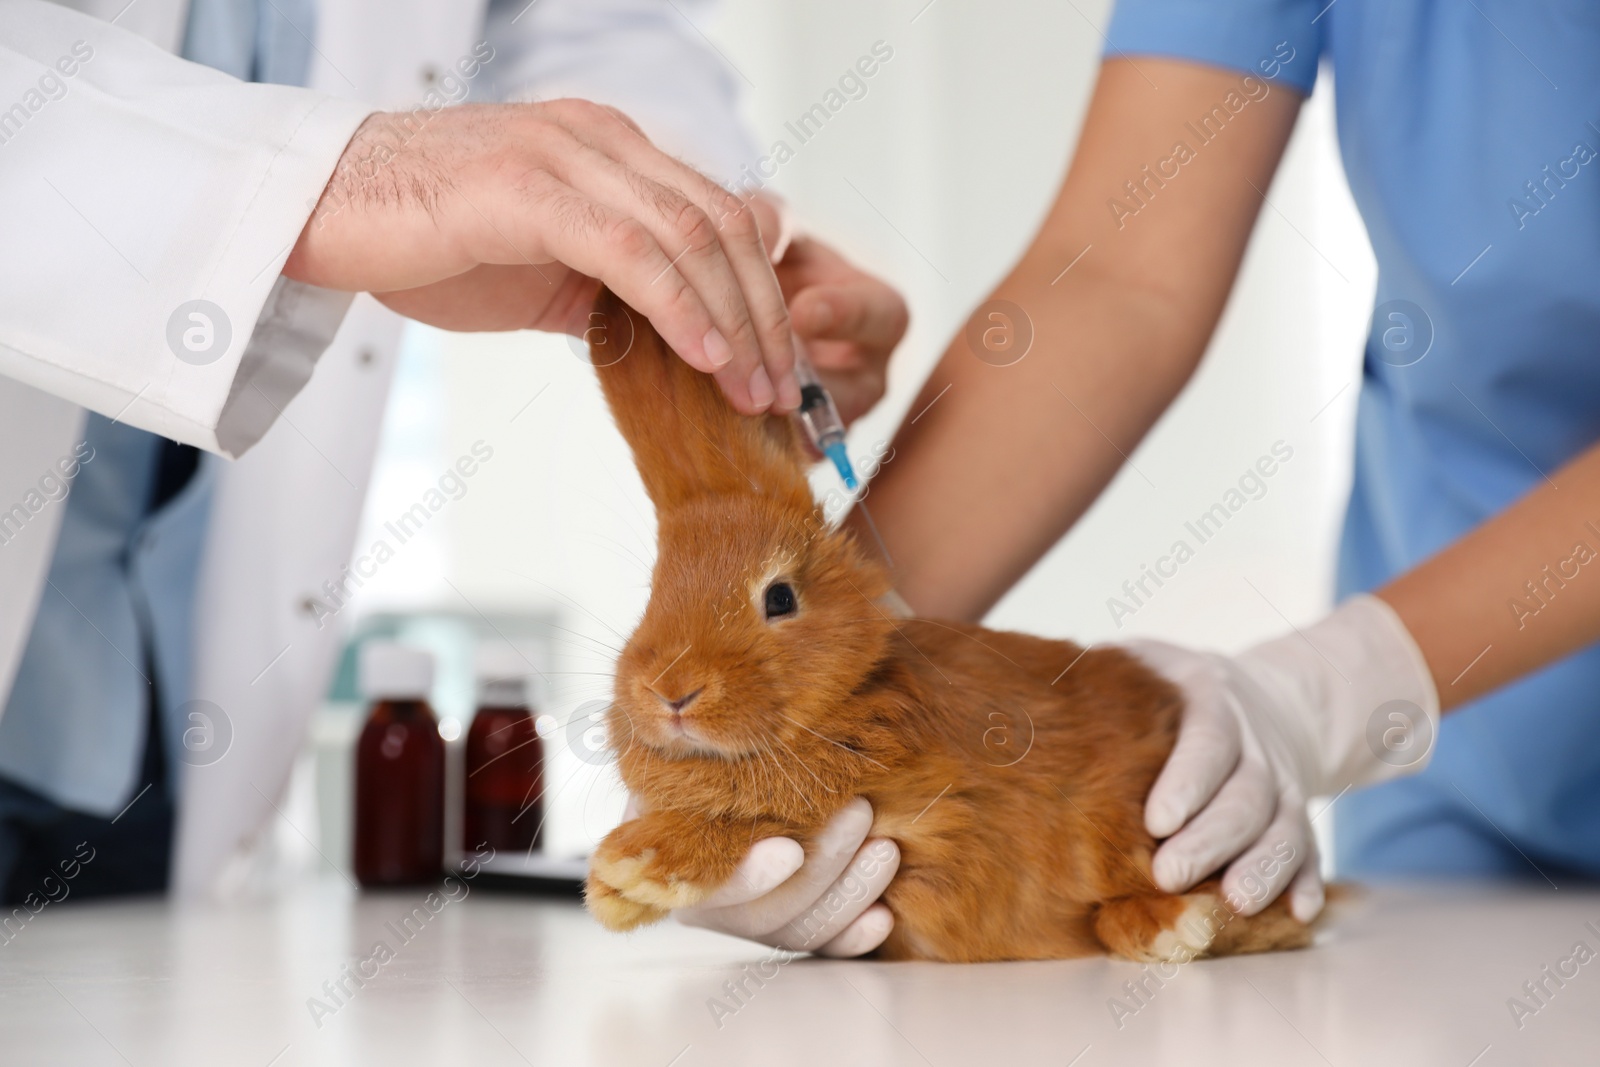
column 682, row 702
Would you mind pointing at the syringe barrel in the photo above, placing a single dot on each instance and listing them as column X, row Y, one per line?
column 820, row 417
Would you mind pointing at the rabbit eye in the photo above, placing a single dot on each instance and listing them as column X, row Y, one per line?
column 780, row 600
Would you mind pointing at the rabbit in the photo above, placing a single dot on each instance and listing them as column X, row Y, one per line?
column 768, row 683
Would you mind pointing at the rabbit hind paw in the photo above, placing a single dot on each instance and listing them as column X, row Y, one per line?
column 1161, row 929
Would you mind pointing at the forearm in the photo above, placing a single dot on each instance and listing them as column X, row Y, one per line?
column 1513, row 595
column 998, row 461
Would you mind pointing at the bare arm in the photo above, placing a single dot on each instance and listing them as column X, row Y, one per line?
column 1462, row 603
column 1009, row 457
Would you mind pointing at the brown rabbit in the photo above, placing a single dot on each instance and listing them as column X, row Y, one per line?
column 767, row 685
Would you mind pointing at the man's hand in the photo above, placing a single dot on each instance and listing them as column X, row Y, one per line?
column 500, row 217
column 850, row 321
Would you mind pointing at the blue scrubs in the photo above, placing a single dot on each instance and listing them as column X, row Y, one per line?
column 1470, row 133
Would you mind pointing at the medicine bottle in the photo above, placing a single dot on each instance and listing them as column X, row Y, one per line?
column 504, row 772
column 399, row 809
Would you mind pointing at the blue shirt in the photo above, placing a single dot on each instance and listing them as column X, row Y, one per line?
column 115, row 623
column 1470, row 133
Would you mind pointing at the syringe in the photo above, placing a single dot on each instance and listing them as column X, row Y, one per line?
column 820, row 418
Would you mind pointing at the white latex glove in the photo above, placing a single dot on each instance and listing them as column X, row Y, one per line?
column 1347, row 702
column 826, row 905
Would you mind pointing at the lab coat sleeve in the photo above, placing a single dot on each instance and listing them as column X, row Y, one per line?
column 150, row 204
column 649, row 59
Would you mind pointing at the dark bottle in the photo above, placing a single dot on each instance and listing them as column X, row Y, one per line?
column 399, row 820
column 504, row 770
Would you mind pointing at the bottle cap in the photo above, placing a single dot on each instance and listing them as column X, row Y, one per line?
column 502, row 692
column 393, row 671
column 502, row 677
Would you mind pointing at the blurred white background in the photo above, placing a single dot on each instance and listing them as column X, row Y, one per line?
column 936, row 180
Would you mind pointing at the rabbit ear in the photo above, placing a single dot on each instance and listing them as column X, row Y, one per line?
column 687, row 441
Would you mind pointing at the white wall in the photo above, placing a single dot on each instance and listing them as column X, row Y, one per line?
column 936, row 179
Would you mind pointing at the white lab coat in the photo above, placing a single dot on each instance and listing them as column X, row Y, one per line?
column 136, row 183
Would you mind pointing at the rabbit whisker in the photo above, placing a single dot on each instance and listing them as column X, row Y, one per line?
column 529, row 793
column 586, row 637
column 532, row 740
column 974, row 640
column 761, row 780
column 618, row 549
column 543, row 794
column 568, row 599
column 831, row 741
column 890, row 620
column 801, row 793
column 603, row 652
column 644, row 541
column 803, row 763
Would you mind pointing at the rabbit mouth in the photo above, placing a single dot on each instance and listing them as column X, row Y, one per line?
column 677, row 736
column 677, row 730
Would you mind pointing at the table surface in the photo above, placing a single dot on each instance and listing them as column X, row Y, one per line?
column 1406, row 976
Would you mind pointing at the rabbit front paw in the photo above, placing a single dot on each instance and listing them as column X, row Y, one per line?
column 615, row 911
column 653, row 864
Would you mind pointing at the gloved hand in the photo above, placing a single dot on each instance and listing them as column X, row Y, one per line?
column 826, row 904
column 1347, row 702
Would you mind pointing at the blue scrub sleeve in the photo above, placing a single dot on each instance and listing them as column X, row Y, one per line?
column 1273, row 39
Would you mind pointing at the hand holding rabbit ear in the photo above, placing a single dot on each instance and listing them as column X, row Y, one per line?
column 510, row 216
column 1347, row 702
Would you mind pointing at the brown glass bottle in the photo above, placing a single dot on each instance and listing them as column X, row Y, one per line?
column 504, row 772
column 399, row 803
